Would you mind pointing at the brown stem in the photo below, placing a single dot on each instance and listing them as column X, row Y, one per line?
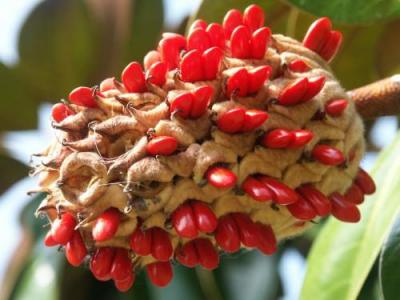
column 380, row 98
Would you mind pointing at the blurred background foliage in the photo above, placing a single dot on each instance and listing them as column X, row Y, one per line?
column 67, row 43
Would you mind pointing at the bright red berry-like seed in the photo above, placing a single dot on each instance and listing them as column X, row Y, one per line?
column 191, row 69
column 49, row 241
column 267, row 243
column 82, row 96
column 75, row 249
column 365, row 182
column 121, row 267
column 101, row 262
column 140, row 241
column 181, row 104
column 208, row 256
column 227, row 234
column 156, row 74
column 183, row 220
column 211, row 59
column 300, row 138
column 343, row 210
column 328, row 155
column 302, row 210
column 187, row 255
column 259, row 42
column 318, row 34
column 198, row 39
column 63, row 228
column 232, row 121
column 232, row 19
column 256, row 189
column 298, row 66
column 281, row 193
column 160, row 273
column 198, row 24
column 107, row 84
column 247, row 230
column 253, row 118
column 125, row 284
column 257, row 78
column 315, row 85
column 253, row 17
column 332, row 45
column 277, row 139
column 238, row 83
column 106, row 225
column 241, row 42
column 217, row 35
column 60, row 111
column 294, row 92
column 335, row 108
column 133, row 78
column 151, row 58
column 204, row 217
column 221, row 177
column 170, row 48
column 318, row 200
column 201, row 100
column 354, row 194
column 162, row 145
column 161, row 247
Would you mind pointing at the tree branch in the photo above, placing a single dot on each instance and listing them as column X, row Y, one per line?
column 380, row 98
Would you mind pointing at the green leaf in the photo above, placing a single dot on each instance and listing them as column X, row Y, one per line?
column 343, row 254
column 15, row 171
column 389, row 264
column 354, row 11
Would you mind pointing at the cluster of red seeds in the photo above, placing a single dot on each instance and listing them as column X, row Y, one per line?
column 195, row 59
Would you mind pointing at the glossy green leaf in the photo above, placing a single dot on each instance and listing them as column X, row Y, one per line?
column 354, row 11
column 389, row 264
column 343, row 254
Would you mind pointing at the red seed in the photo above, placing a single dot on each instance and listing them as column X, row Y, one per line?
column 256, row 189
column 106, row 225
column 300, row 138
column 191, row 68
column 238, row 83
column 253, row 118
column 211, row 60
column 75, row 250
column 332, row 45
column 49, row 241
column 328, row 155
column 201, row 100
column 281, row 193
column 217, row 35
column 107, row 84
column 315, row 85
column 63, row 228
column 257, row 78
column 241, row 42
column 335, row 108
column 318, row 200
column 294, row 92
column 101, row 262
column 151, row 58
column 318, row 34
column 126, row 284
column 198, row 24
column 208, row 256
column 365, row 182
column 247, row 230
column 82, row 96
column 253, row 17
column 198, row 39
column 232, row 19
column 343, row 210
column 121, row 267
column 170, row 48
column 60, row 111
column 267, row 243
column 183, row 220
column 277, row 139
column 232, row 121
column 221, row 177
column 187, row 255
column 227, row 234
column 133, row 78
column 354, row 194
column 140, row 241
column 181, row 104
column 302, row 210
column 160, row 273
column 156, row 74
column 205, row 219
column 299, row 66
column 162, row 145
column 161, row 247
column 259, row 42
